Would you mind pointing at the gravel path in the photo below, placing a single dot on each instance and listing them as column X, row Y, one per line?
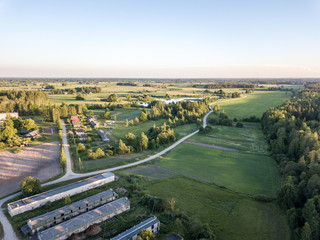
column 9, row 233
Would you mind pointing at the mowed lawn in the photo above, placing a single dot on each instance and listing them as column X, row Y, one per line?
column 245, row 173
column 230, row 215
column 254, row 104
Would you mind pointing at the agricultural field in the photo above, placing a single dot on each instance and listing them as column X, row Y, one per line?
column 41, row 161
column 230, row 215
column 255, row 104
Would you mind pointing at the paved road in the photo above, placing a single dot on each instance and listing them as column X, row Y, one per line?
column 9, row 233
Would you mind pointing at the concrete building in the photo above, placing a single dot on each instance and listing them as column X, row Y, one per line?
column 59, row 215
column 41, row 199
column 82, row 222
column 153, row 224
column 4, row 116
column 102, row 135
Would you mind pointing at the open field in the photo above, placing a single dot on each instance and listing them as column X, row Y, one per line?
column 231, row 216
column 246, row 140
column 41, row 161
column 255, row 104
column 245, row 173
column 121, row 113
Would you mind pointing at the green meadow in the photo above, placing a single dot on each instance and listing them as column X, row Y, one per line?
column 255, row 103
column 230, row 215
column 245, row 173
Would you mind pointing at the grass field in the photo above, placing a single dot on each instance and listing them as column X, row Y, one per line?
column 247, row 140
column 254, row 104
column 245, row 173
column 231, row 216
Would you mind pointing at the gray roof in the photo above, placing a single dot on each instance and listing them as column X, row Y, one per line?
column 50, row 193
column 82, row 220
column 40, row 220
column 129, row 233
column 102, row 135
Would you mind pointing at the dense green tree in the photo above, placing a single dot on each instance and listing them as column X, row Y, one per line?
column 30, row 186
column 8, row 133
column 131, row 139
column 81, row 147
column 143, row 142
column 67, row 200
column 29, row 124
column 145, row 234
column 143, row 117
column 122, row 148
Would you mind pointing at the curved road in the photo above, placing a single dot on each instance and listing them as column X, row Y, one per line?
column 8, row 230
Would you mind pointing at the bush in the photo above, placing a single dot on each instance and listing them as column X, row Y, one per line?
column 18, row 150
column 30, row 186
column 239, row 124
column 81, row 147
column 67, row 200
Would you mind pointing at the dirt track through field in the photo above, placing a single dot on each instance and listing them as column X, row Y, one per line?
column 41, row 161
column 231, row 140
column 213, row 146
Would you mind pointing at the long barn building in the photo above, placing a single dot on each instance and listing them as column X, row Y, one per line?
column 153, row 224
column 38, row 200
column 59, row 215
column 82, row 222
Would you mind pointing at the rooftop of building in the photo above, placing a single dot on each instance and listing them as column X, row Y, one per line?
column 50, row 193
column 83, row 219
column 65, row 209
column 173, row 236
column 129, row 233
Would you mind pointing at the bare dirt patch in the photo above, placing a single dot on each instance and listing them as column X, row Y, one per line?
column 41, row 161
column 213, row 146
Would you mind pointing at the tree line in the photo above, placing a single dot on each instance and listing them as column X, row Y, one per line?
column 32, row 102
column 292, row 132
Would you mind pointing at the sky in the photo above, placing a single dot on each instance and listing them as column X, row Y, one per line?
column 160, row 39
